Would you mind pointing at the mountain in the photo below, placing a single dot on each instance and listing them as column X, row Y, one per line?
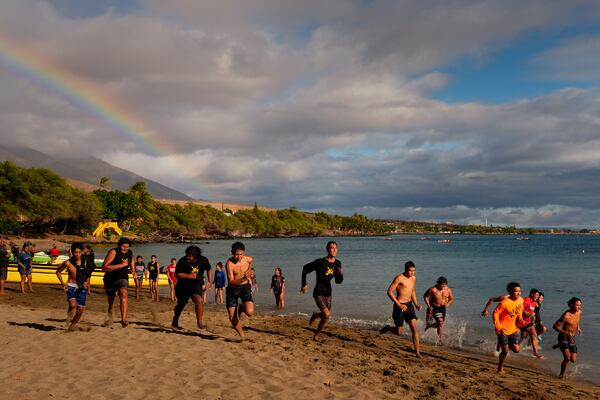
column 87, row 170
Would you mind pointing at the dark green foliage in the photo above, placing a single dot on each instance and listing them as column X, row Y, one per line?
column 39, row 199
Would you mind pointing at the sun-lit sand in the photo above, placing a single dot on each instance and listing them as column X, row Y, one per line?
column 149, row 360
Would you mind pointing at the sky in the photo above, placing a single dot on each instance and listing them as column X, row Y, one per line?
column 450, row 111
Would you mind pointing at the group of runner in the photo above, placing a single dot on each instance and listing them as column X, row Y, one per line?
column 514, row 318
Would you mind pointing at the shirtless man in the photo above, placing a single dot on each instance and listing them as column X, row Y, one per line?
column 326, row 269
column 438, row 298
column 405, row 302
column 506, row 314
column 566, row 326
column 238, row 268
column 75, row 287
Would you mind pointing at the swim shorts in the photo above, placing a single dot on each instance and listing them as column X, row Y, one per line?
column 111, row 288
column 24, row 272
column 184, row 290
column 233, row 293
column 323, row 302
column 400, row 316
column 77, row 293
column 564, row 343
column 153, row 276
column 505, row 340
column 439, row 313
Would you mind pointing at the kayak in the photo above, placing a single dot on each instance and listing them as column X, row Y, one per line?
column 46, row 274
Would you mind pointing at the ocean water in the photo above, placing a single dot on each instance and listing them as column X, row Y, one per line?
column 477, row 267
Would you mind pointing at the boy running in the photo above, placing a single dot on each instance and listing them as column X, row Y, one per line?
column 326, row 269
column 75, row 288
column 506, row 314
column 527, row 325
column 190, row 282
column 437, row 299
column 116, row 266
column 567, row 326
column 405, row 302
column 239, row 269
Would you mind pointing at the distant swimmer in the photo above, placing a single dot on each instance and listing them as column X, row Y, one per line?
column 190, row 283
column 567, row 326
column 438, row 298
column 405, row 302
column 326, row 269
column 117, row 265
column 527, row 325
column 239, row 270
column 506, row 314
column 75, row 288
column 278, row 287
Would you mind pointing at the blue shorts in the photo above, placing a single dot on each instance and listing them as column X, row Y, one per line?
column 24, row 272
column 77, row 293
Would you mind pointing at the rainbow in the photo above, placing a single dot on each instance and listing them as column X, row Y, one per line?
column 87, row 97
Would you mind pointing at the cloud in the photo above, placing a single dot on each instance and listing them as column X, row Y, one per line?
column 576, row 59
column 321, row 106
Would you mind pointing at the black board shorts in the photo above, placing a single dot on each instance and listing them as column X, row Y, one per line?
column 400, row 316
column 233, row 293
column 112, row 287
column 184, row 291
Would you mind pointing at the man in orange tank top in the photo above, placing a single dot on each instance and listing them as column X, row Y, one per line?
column 506, row 314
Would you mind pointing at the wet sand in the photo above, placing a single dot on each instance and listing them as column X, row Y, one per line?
column 150, row 360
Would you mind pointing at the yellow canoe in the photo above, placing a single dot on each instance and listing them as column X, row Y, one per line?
column 46, row 274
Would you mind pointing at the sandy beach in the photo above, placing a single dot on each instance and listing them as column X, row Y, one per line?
column 278, row 360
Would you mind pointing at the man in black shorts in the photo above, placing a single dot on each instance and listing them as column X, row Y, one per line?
column 190, row 279
column 117, row 265
column 239, row 270
column 402, row 293
column 326, row 269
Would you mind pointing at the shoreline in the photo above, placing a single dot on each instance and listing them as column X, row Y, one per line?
column 279, row 358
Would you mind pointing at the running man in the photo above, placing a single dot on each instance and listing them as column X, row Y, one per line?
column 540, row 328
column 190, row 281
column 567, row 326
column 506, row 314
column 326, row 269
column 24, row 267
column 220, row 279
column 527, row 325
column 170, row 270
column 116, row 266
column 278, row 287
column 405, row 302
column 438, row 298
column 153, row 268
column 239, row 268
column 75, row 287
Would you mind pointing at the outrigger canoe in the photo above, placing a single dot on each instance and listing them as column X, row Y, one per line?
column 45, row 273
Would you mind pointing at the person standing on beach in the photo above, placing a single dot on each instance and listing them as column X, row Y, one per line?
column 140, row 274
column 170, row 270
column 278, row 287
column 438, row 298
column 24, row 267
column 75, row 288
column 117, row 265
column 239, row 269
column 326, row 269
column 190, row 281
column 3, row 265
column 506, row 314
column 527, row 325
column 54, row 253
column 220, row 279
column 567, row 326
column 405, row 302
column 153, row 268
